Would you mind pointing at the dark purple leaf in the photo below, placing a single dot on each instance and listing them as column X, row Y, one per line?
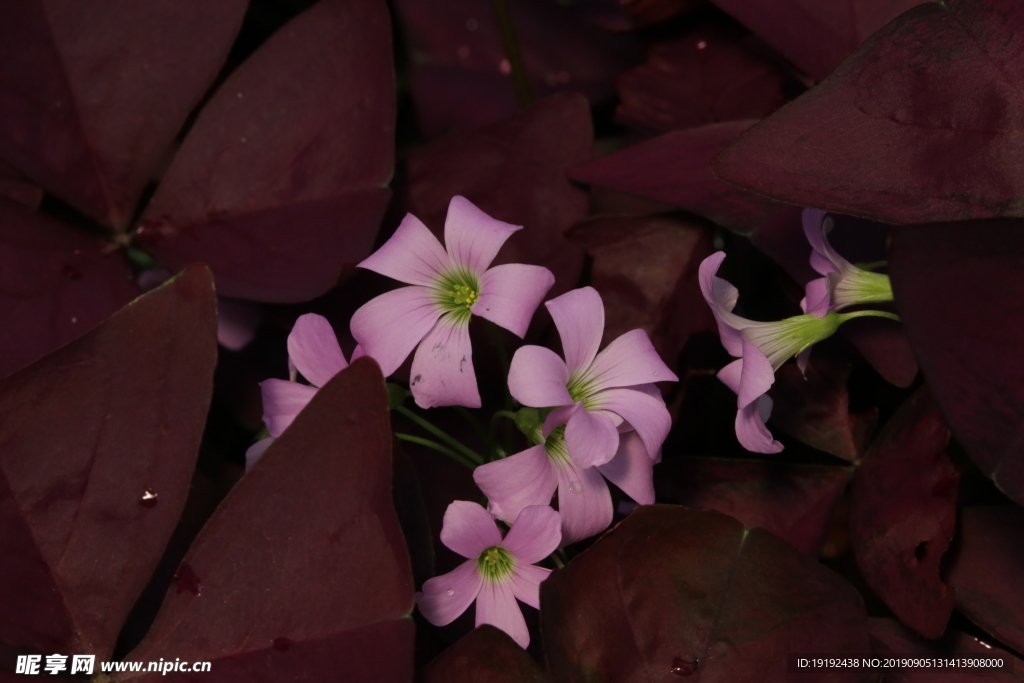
column 986, row 571
column 920, row 124
column 280, row 183
column 814, row 408
column 706, row 75
column 674, row 169
column 97, row 445
column 56, row 283
column 816, row 36
column 515, row 171
column 646, row 271
column 302, row 572
column 16, row 187
column 884, row 344
column 890, row 639
column 484, row 655
column 794, row 502
column 672, row 592
column 92, row 94
column 903, row 515
column 641, row 13
column 959, row 292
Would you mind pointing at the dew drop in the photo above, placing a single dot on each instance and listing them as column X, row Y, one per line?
column 701, row 45
column 282, row 644
column 575, row 487
column 655, row 374
column 186, row 579
column 149, row 499
column 505, row 67
column 681, row 667
column 74, row 320
column 450, row 592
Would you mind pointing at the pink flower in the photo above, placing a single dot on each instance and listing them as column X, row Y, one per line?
column 844, row 284
column 449, row 286
column 761, row 348
column 497, row 572
column 584, row 502
column 600, row 394
column 313, row 350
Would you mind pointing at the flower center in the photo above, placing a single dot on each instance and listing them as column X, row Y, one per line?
column 495, row 564
column 580, row 386
column 457, row 291
column 555, row 446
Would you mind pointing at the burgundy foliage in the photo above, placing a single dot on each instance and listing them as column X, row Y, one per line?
column 646, row 270
column 694, row 592
column 92, row 489
column 514, row 171
column 813, row 408
column 484, row 655
column 959, row 291
column 794, row 502
column 673, row 168
column 986, row 571
column 922, row 123
column 903, row 515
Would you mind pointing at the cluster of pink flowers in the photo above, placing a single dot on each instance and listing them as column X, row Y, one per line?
column 604, row 418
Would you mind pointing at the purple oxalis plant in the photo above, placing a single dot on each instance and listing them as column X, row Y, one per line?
column 661, row 533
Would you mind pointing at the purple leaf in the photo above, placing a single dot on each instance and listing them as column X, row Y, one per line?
column 280, row 183
column 986, row 571
column 920, row 124
column 646, row 271
column 903, row 515
column 674, row 169
column 890, row 639
column 961, row 298
column 302, row 571
column 56, row 283
column 816, row 36
column 485, row 654
column 15, row 187
column 814, row 408
column 706, row 75
column 92, row 94
column 794, row 502
column 97, row 445
column 514, row 171
column 672, row 592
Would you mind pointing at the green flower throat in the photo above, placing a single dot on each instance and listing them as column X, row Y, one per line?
column 456, row 292
column 495, row 564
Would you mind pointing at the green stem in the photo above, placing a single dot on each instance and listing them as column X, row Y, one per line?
column 503, row 413
column 524, row 93
column 437, row 447
column 441, row 434
column 484, row 435
column 557, row 560
column 843, row 317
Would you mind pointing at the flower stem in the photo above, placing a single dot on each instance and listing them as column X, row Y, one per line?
column 437, row 447
column 524, row 93
column 441, row 434
column 557, row 560
column 843, row 317
column 484, row 435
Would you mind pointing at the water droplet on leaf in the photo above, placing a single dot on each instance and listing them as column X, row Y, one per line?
column 681, row 667
column 186, row 579
column 149, row 499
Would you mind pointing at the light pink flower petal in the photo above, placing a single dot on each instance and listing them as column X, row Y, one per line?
column 440, row 607
column 752, row 432
column 559, row 417
column 802, row 359
column 237, row 322
column 442, row 370
column 813, row 223
column 757, row 376
column 628, row 361
column 647, row 414
column 256, row 451
column 390, row 326
column 534, row 535
column 721, row 297
column 496, row 605
column 584, row 502
column 525, row 583
column 632, row 469
column 512, row 483
column 591, row 438
column 731, row 375
column 537, row 378
column 412, row 255
column 282, row 401
column 579, row 317
column 510, row 294
column 314, row 350
column 817, row 299
column 472, row 237
column 468, row 529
